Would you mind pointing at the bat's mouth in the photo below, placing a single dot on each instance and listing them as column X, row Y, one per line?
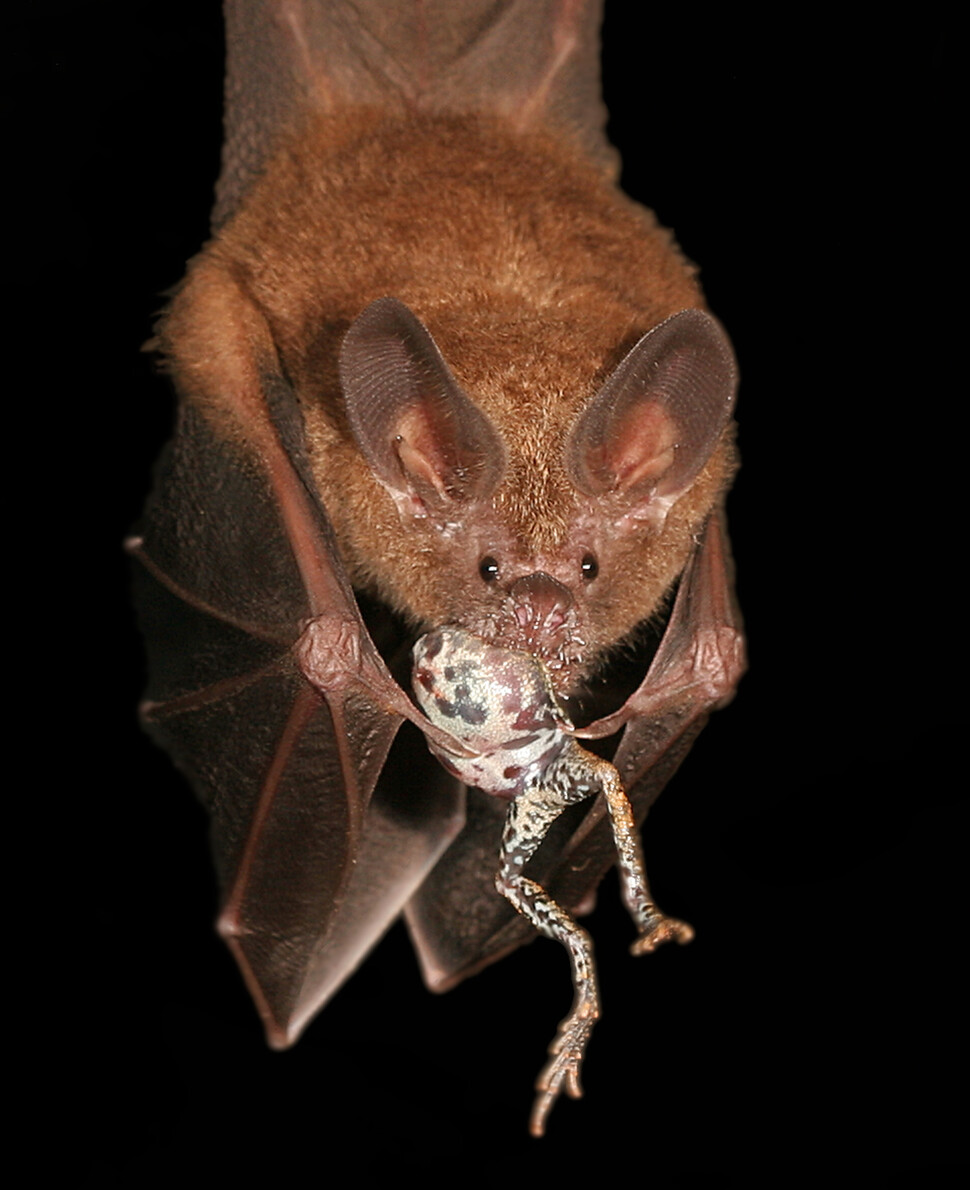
column 591, row 686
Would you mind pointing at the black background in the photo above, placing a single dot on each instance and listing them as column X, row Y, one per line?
column 813, row 837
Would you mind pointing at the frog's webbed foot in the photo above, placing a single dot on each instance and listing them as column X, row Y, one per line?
column 662, row 929
column 561, row 1072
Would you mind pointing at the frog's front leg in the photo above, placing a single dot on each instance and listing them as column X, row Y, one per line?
column 529, row 818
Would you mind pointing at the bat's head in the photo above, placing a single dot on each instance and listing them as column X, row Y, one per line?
column 554, row 532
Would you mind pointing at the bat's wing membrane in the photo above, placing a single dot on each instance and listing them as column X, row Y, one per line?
column 240, row 592
column 536, row 61
column 457, row 922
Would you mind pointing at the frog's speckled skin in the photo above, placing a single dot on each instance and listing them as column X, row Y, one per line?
column 501, row 704
column 495, row 701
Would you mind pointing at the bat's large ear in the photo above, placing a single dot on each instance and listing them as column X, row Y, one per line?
column 429, row 445
column 656, row 421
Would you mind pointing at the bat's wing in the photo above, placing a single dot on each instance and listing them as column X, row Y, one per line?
column 695, row 670
column 536, row 61
column 269, row 693
column 457, row 922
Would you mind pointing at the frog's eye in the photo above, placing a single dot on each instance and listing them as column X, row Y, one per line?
column 488, row 569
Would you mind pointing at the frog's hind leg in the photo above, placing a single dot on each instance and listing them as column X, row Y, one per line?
column 529, row 818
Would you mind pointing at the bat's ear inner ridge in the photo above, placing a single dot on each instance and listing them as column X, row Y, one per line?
column 657, row 419
column 421, row 435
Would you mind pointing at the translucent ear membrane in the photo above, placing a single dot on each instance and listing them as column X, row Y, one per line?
column 657, row 419
column 413, row 424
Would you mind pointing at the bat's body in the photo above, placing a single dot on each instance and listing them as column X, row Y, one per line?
column 533, row 274
column 429, row 320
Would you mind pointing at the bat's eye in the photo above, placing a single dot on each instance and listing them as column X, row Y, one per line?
column 488, row 568
column 590, row 567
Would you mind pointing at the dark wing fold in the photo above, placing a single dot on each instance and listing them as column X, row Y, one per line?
column 237, row 558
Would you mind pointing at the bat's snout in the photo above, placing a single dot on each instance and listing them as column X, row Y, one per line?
column 540, row 603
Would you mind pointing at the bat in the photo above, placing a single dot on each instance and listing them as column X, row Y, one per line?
column 434, row 370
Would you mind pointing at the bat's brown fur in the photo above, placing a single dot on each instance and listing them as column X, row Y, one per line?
column 533, row 274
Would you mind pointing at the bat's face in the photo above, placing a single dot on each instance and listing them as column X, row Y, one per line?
column 557, row 531
column 565, row 603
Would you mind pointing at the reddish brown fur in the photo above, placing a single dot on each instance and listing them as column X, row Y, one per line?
column 533, row 274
